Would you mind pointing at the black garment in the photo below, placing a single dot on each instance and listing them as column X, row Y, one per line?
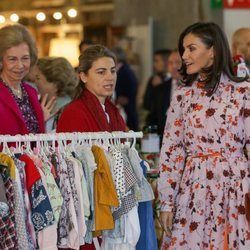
column 126, row 86
column 148, row 99
column 162, row 98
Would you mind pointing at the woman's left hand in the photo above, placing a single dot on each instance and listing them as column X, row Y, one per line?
column 47, row 106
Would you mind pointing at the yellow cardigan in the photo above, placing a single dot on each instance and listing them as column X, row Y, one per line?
column 105, row 194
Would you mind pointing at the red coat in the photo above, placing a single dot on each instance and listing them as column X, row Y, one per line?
column 86, row 114
column 12, row 122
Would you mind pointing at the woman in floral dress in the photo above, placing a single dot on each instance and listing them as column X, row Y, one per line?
column 204, row 174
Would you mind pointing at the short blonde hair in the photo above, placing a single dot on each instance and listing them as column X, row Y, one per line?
column 60, row 72
column 14, row 35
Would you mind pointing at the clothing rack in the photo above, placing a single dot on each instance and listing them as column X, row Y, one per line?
column 70, row 136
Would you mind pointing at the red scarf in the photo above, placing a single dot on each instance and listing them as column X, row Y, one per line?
column 94, row 106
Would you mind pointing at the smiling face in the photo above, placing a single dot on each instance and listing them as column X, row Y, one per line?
column 100, row 79
column 16, row 64
column 196, row 55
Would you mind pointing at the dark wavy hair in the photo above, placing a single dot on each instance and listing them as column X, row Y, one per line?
column 212, row 36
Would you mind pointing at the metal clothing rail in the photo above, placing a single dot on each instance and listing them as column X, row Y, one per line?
column 70, row 136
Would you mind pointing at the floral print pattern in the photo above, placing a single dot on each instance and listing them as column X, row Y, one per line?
column 204, row 173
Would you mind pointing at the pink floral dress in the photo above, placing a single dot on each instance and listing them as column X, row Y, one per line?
column 204, row 174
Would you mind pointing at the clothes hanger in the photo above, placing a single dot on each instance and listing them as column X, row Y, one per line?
column 6, row 148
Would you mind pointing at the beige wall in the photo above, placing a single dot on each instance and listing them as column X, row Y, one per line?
column 170, row 16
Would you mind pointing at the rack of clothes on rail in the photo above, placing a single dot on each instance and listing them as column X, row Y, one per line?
column 64, row 190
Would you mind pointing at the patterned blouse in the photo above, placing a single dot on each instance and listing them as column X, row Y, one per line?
column 26, row 110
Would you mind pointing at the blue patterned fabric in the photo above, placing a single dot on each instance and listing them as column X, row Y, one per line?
column 42, row 213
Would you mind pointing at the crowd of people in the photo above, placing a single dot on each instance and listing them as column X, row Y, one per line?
column 198, row 97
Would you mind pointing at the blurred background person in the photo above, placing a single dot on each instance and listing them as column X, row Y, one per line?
column 56, row 80
column 160, row 67
column 241, row 51
column 126, row 89
column 20, row 110
column 84, row 44
column 163, row 92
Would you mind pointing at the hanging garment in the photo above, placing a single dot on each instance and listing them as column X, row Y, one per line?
column 41, row 210
column 7, row 161
column 78, row 176
column 8, row 238
column 128, row 201
column 146, row 192
column 67, row 226
column 46, row 238
column 104, row 192
column 36, row 180
column 20, row 165
column 118, row 172
column 148, row 239
column 3, row 198
column 20, row 225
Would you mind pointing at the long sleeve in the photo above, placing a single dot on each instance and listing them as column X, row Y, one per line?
column 247, row 123
column 172, row 156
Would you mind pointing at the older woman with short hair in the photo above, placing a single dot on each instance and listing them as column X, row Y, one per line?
column 55, row 79
column 20, row 109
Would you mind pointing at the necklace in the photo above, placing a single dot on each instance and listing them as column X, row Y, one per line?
column 17, row 92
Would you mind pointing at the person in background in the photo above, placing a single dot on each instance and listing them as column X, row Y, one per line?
column 204, row 173
column 241, row 51
column 161, row 74
column 20, row 110
column 84, row 44
column 164, row 92
column 56, row 80
column 126, row 89
column 94, row 109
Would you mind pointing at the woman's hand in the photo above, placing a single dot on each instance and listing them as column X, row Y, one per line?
column 47, row 106
column 166, row 219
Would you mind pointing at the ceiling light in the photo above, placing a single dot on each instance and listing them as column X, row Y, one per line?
column 72, row 13
column 14, row 17
column 57, row 15
column 2, row 19
column 40, row 16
